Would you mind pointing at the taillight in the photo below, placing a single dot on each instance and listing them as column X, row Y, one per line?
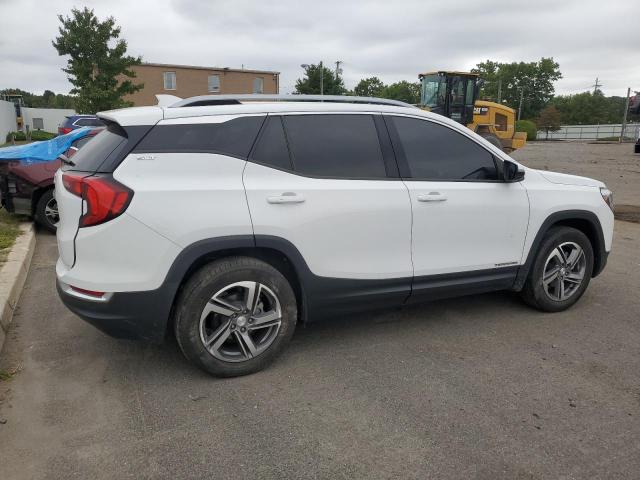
column 105, row 197
column 63, row 130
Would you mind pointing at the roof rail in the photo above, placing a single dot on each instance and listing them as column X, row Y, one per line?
column 204, row 100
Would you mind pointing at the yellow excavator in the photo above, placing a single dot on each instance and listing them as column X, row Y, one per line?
column 454, row 95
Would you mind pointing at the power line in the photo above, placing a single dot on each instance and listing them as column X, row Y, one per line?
column 596, row 86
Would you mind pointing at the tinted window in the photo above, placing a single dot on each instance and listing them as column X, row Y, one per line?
column 88, row 122
column 339, row 146
column 81, row 142
column 90, row 157
column 435, row 152
column 233, row 137
column 271, row 148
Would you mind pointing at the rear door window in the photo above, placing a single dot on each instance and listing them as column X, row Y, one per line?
column 271, row 148
column 335, row 146
column 234, row 137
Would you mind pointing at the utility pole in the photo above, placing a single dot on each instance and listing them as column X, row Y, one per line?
column 321, row 78
column 520, row 106
column 624, row 118
column 338, row 71
column 596, row 86
column 499, row 90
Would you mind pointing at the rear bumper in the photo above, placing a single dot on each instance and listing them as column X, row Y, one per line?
column 131, row 315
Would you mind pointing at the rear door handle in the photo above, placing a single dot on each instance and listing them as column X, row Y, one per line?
column 286, row 197
column 432, row 197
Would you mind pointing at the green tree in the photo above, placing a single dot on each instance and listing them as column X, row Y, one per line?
column 369, row 87
column 589, row 108
column 332, row 84
column 404, row 91
column 47, row 100
column 532, row 80
column 549, row 119
column 98, row 67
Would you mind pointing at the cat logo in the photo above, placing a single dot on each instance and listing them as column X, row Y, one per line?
column 480, row 110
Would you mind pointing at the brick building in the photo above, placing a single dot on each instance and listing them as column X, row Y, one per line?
column 188, row 81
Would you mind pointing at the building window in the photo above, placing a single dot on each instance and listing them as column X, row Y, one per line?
column 38, row 124
column 169, row 80
column 214, row 83
column 258, row 85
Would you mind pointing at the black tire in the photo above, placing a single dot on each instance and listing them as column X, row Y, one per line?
column 534, row 292
column 493, row 140
column 41, row 217
column 211, row 280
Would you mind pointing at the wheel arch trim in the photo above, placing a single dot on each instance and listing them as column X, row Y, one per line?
column 566, row 217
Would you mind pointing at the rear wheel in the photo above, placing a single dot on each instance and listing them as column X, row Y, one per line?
column 46, row 214
column 235, row 316
column 561, row 272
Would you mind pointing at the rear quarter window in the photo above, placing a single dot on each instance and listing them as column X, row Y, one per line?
column 234, row 137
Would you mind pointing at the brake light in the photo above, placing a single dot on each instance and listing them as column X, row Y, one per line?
column 105, row 197
column 63, row 130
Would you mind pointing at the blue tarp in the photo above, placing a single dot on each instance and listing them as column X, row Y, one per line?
column 38, row 152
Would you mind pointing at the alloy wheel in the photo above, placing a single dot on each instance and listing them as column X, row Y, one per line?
column 564, row 271
column 240, row 321
column 51, row 212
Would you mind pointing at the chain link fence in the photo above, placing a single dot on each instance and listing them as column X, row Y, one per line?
column 592, row 132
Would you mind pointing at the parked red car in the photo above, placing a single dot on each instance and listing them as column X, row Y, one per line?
column 27, row 188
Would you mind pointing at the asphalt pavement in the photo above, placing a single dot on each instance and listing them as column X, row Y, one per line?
column 478, row 387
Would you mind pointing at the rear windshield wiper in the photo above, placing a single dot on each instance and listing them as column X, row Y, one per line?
column 64, row 159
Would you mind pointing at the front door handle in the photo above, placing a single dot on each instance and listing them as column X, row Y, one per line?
column 432, row 197
column 286, row 197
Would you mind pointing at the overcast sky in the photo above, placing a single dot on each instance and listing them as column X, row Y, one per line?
column 393, row 40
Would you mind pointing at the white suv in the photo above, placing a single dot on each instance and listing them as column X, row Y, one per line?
column 230, row 219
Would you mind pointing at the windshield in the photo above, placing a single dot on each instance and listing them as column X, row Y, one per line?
column 433, row 90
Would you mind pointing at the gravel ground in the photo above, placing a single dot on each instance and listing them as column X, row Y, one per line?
column 614, row 164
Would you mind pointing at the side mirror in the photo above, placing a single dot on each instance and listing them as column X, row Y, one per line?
column 511, row 172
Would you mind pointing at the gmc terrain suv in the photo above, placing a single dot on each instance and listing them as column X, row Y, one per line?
column 230, row 219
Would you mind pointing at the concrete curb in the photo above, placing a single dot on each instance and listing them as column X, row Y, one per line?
column 13, row 275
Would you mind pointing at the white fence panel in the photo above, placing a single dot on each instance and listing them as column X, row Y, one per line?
column 591, row 132
column 47, row 119
column 7, row 119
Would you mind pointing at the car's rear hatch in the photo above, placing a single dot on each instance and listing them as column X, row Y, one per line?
column 101, row 155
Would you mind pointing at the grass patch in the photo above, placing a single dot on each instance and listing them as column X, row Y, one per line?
column 24, row 142
column 6, row 375
column 9, row 231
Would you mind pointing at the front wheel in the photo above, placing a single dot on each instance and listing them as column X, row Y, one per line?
column 561, row 271
column 46, row 214
column 235, row 316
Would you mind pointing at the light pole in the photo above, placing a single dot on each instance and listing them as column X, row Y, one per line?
column 306, row 67
column 520, row 106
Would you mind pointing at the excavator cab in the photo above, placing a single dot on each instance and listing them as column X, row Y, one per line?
column 452, row 94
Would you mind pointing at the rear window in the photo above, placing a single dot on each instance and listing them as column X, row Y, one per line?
column 88, row 122
column 93, row 154
column 234, row 137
